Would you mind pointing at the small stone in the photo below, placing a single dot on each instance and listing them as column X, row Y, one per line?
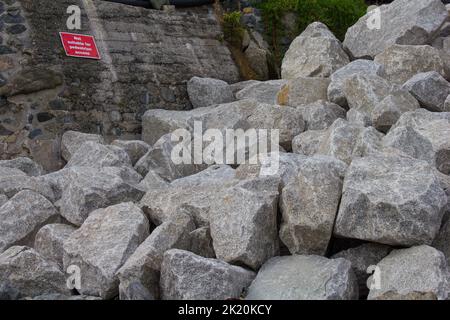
column 16, row 29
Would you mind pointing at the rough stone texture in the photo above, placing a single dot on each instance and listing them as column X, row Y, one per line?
column 159, row 160
column 202, row 243
column 361, row 258
column 25, row 273
column 142, row 269
column 339, row 140
column 50, row 239
column 308, row 142
column 368, row 142
column 402, row 62
column 243, row 222
column 71, row 141
column 392, row 200
column 22, row 216
column 265, row 91
column 96, row 155
column 26, row 165
column 302, row 91
column 301, row 277
column 365, row 91
column 314, row 53
column 192, row 195
column 430, row 89
column 134, row 148
column 409, row 22
column 13, row 181
column 321, row 114
column 309, row 205
column 389, row 110
column 335, row 91
column 102, row 244
column 186, row 276
column 442, row 241
column 244, row 114
column 205, row 92
column 423, row 135
column 84, row 189
column 420, row 270
column 447, row 103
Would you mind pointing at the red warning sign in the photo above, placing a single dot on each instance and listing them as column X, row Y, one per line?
column 80, row 46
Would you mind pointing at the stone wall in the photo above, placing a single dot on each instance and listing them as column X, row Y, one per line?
column 147, row 57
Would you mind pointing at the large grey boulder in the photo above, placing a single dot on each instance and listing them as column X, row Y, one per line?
column 321, row 114
column 205, row 92
column 25, row 273
column 314, row 53
column 262, row 91
column 243, row 222
column 430, row 89
column 301, row 277
column 24, row 164
column 303, row 90
column 339, row 140
column 335, row 91
column 308, row 142
column 368, row 142
column 72, row 140
column 50, row 239
column 390, row 199
column 423, row 135
column 97, row 155
column 84, row 189
column 159, row 160
column 402, row 62
column 416, row 271
column 22, row 216
column 243, row 114
column 388, row 111
column 410, row 22
column 143, row 267
column 134, row 148
column 186, row 276
column 362, row 258
column 102, row 245
column 309, row 204
column 192, row 195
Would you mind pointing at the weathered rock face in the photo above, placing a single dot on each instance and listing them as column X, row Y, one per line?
column 309, row 205
column 71, row 141
column 50, row 239
column 308, row 142
column 402, row 62
column 205, row 92
column 22, row 216
column 423, row 135
column 25, row 273
column 26, row 165
column 135, row 149
column 96, row 155
column 420, row 270
column 243, row 222
column 142, row 269
column 361, row 258
column 265, row 92
column 430, row 89
column 102, row 245
column 335, row 89
column 300, row 277
column 304, row 90
column 392, row 200
column 399, row 25
column 442, row 241
column 321, row 114
column 147, row 58
column 186, row 276
column 314, row 53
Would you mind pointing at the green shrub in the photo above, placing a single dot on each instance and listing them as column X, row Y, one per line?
column 338, row 15
column 232, row 27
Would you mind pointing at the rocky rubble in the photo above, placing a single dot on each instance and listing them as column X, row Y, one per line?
column 358, row 207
